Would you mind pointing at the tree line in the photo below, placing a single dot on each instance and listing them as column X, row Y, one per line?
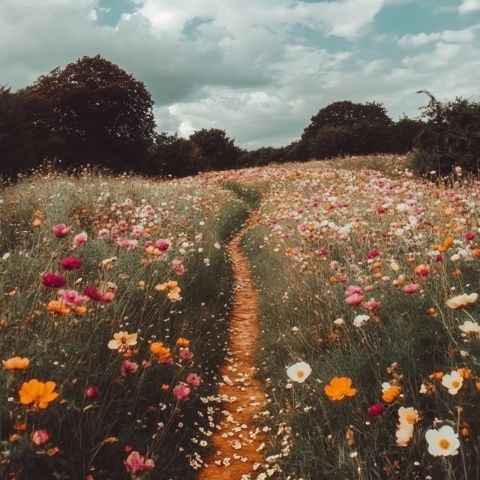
column 92, row 112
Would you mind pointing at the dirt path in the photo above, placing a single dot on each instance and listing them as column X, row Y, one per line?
column 238, row 443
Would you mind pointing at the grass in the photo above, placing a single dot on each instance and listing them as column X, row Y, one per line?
column 136, row 411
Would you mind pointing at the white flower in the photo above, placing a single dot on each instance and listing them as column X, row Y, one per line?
column 299, row 372
column 469, row 327
column 462, row 300
column 359, row 320
column 407, row 416
column 402, row 207
column 404, row 434
column 455, row 257
column 443, row 442
column 453, row 382
column 6, row 256
column 339, row 321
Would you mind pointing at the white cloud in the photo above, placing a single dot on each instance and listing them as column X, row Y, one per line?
column 468, row 6
column 461, row 36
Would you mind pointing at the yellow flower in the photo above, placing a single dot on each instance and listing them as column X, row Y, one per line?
column 16, row 363
column 122, row 340
column 38, row 393
column 339, row 388
column 173, row 290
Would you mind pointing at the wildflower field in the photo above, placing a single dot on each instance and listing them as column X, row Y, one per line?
column 117, row 295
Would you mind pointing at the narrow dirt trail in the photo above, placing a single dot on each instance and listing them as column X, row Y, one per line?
column 238, row 443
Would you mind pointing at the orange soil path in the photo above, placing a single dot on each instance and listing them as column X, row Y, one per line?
column 238, row 442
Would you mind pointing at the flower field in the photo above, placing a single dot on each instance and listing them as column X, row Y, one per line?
column 116, row 295
column 115, row 298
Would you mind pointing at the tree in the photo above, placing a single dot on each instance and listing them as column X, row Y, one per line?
column 213, row 150
column 450, row 137
column 403, row 134
column 92, row 111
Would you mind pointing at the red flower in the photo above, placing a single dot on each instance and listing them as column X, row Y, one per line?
column 373, row 253
column 55, row 280
column 93, row 294
column 376, row 409
column 71, row 263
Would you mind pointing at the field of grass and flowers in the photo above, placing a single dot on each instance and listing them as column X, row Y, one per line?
column 113, row 322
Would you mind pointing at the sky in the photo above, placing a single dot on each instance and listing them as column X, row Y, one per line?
column 258, row 69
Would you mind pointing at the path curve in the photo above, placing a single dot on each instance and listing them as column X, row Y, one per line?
column 237, row 442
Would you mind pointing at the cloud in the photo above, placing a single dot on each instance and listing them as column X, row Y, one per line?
column 419, row 39
column 468, row 6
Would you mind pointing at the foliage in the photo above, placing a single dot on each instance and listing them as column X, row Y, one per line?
column 451, row 137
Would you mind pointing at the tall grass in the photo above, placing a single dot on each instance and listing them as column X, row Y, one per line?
column 106, row 407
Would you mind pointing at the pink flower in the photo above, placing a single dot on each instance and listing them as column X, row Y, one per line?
column 193, row 380
column 373, row 253
column 163, row 245
column 55, row 280
column 80, row 239
column 371, row 305
column 177, row 266
column 353, row 289
column 376, row 409
column 137, row 465
column 39, row 437
column 128, row 367
column 439, row 258
column 469, row 236
column 354, row 299
column 411, row 288
column 181, row 392
column 60, row 230
column 71, row 263
column 103, row 233
column 185, row 354
column 137, row 231
column 92, row 391
column 72, row 298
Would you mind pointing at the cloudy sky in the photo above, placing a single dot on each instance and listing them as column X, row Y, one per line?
column 257, row 68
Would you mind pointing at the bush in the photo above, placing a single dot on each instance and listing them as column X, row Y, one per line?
column 450, row 138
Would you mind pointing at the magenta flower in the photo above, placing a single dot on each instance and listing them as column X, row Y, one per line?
column 128, row 367
column 71, row 263
column 138, row 465
column 354, row 299
column 469, row 236
column 92, row 391
column 92, row 293
column 193, row 380
column 411, row 288
column 376, row 409
column 163, row 245
column 54, row 280
column 181, row 392
column 80, row 239
column 60, row 230
column 72, row 297
column 373, row 253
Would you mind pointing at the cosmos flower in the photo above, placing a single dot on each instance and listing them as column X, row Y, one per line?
column 53, row 280
column 453, row 382
column 299, row 372
column 71, row 263
column 462, row 301
column 340, row 388
column 38, row 393
column 181, row 392
column 122, row 340
column 138, row 465
column 16, row 363
column 443, row 442
column 60, row 230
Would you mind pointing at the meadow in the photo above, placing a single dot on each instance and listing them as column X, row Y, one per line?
column 116, row 297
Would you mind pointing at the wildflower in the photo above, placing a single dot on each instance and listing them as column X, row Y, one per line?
column 422, row 270
column 376, row 409
column 178, row 267
column 128, row 367
column 163, row 245
column 72, row 298
column 453, row 382
column 469, row 236
column 92, row 391
column 39, row 437
column 411, row 288
column 162, row 353
column 352, row 289
column 299, row 372
column 339, row 388
column 122, row 340
column 181, row 392
column 60, row 230
column 359, row 320
column 371, row 305
column 443, row 442
column 404, row 435
column 38, row 393
column 462, row 301
column 54, row 280
column 354, row 299
column 390, row 392
column 16, row 363
column 373, row 253
column 183, row 342
column 173, row 290
column 71, row 263
column 445, row 245
column 185, row 354
column 59, row 308
column 80, row 239
column 93, row 293
column 193, row 380
column 408, row 416
column 339, row 321
column 470, row 326
column 138, row 465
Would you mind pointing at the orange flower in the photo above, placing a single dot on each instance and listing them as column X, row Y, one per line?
column 183, row 342
column 339, row 388
column 173, row 290
column 476, row 252
column 122, row 340
column 466, row 373
column 58, row 307
column 38, row 393
column 437, row 375
column 160, row 351
column 445, row 245
column 16, row 363
column 391, row 394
